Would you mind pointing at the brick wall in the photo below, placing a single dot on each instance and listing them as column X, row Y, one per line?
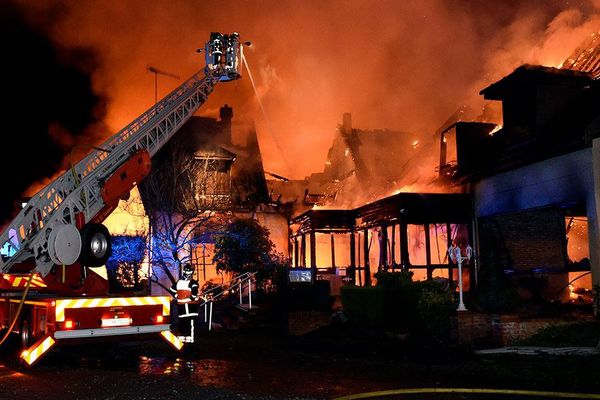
column 526, row 241
column 533, row 238
column 498, row 330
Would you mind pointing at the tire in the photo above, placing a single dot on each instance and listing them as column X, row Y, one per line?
column 25, row 338
column 95, row 245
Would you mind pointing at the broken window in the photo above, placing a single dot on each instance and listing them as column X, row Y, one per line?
column 323, row 250
column 417, row 251
column 578, row 253
column 438, row 243
column 578, row 250
column 341, row 243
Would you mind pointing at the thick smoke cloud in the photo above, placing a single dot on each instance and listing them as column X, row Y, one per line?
column 404, row 65
column 48, row 103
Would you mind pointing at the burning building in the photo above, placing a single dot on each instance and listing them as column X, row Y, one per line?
column 522, row 193
column 199, row 182
column 407, row 231
column 534, row 179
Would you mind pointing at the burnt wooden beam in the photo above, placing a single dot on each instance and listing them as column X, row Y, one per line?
column 383, row 253
column 313, row 256
column 366, row 256
column 352, row 258
column 428, row 253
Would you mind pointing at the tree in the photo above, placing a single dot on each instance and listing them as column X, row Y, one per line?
column 187, row 199
column 244, row 246
column 123, row 266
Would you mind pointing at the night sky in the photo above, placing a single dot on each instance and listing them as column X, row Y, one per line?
column 49, row 104
column 75, row 73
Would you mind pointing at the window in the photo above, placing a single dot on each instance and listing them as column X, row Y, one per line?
column 438, row 243
column 417, row 254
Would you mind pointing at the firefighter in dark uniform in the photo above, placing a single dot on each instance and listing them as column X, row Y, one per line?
column 186, row 293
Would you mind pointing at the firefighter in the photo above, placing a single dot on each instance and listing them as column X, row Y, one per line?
column 216, row 48
column 230, row 54
column 186, row 293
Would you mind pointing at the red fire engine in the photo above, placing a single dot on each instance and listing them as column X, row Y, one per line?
column 48, row 293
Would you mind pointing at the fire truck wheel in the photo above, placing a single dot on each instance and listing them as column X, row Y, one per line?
column 25, row 334
column 95, row 245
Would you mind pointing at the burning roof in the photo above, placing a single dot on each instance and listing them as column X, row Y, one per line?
column 586, row 57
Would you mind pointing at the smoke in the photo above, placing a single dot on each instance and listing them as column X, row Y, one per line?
column 48, row 102
column 402, row 65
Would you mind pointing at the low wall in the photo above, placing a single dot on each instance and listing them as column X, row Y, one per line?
column 499, row 329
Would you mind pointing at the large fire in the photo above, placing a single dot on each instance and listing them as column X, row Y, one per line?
column 403, row 65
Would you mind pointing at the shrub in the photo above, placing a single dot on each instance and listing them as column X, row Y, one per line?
column 400, row 279
column 424, row 308
column 364, row 305
column 435, row 309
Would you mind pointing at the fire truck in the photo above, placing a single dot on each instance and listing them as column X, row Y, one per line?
column 49, row 292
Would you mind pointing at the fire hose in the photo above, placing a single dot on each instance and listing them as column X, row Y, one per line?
column 14, row 321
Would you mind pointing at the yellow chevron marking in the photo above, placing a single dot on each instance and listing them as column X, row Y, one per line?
column 172, row 339
column 61, row 305
column 94, row 303
column 32, row 354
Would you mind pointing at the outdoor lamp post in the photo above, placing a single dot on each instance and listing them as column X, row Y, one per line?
column 456, row 255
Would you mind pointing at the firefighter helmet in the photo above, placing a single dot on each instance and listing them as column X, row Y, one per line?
column 188, row 271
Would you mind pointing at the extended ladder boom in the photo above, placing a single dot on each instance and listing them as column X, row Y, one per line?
column 76, row 196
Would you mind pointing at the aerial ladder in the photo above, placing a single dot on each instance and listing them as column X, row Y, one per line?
column 58, row 234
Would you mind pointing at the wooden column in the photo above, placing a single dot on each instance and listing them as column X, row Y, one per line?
column 296, row 251
column 405, row 262
column 450, row 265
column 332, row 251
column 313, row 255
column 393, row 247
column 352, row 271
column 428, row 253
column 367, row 270
column 303, row 250
column 383, row 248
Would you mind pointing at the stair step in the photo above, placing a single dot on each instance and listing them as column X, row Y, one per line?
column 246, row 307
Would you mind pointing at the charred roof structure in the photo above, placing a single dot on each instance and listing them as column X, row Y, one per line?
column 586, row 57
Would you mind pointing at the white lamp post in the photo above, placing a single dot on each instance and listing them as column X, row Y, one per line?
column 456, row 256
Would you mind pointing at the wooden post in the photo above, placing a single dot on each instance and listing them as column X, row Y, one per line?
column 352, row 258
column 367, row 270
column 405, row 262
column 332, row 252
column 428, row 253
column 450, row 265
column 393, row 247
column 296, row 252
column 313, row 255
column 383, row 253
column 303, row 250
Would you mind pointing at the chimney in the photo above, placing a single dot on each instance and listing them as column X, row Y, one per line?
column 347, row 123
column 226, row 114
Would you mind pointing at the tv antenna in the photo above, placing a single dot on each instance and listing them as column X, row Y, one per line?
column 157, row 72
